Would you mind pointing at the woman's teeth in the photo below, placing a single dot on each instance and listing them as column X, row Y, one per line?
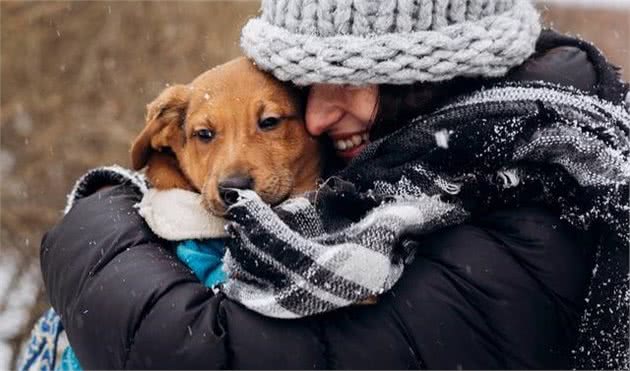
column 349, row 143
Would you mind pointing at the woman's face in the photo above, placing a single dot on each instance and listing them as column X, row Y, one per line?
column 344, row 113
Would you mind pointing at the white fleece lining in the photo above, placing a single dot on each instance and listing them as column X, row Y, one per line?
column 176, row 215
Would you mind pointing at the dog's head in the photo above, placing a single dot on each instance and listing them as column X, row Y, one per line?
column 232, row 127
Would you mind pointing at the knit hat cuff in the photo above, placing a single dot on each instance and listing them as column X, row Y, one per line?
column 489, row 47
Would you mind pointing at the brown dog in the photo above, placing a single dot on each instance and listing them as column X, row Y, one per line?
column 232, row 127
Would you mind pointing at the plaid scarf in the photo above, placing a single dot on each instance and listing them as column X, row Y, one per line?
column 507, row 145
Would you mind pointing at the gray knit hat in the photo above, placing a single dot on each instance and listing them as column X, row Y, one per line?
column 389, row 41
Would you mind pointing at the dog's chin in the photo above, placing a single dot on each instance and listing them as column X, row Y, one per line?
column 274, row 198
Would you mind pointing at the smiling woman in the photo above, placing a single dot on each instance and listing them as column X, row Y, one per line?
column 473, row 251
column 344, row 113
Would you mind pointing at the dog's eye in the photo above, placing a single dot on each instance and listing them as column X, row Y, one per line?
column 204, row 135
column 268, row 123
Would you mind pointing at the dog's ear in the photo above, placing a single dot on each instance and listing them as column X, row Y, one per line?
column 156, row 145
column 165, row 116
column 164, row 173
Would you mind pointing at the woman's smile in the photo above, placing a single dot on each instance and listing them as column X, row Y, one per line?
column 344, row 113
column 351, row 144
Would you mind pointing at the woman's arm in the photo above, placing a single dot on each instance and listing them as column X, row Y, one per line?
column 93, row 254
column 127, row 302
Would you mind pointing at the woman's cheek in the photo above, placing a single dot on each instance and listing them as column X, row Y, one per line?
column 365, row 102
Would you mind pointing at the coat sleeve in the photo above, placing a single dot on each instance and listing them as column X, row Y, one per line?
column 126, row 301
column 501, row 292
column 104, row 282
column 504, row 291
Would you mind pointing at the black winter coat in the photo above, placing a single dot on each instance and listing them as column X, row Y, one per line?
column 504, row 290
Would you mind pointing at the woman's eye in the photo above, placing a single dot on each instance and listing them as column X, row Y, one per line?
column 205, row 135
column 268, row 123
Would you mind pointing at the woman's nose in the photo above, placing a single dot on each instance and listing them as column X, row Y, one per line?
column 323, row 108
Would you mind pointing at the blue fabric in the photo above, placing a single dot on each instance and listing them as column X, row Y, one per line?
column 203, row 257
column 40, row 353
column 69, row 361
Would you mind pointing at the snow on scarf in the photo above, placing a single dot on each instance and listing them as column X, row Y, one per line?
column 504, row 146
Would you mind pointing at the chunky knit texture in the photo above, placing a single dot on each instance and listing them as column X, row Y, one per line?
column 389, row 41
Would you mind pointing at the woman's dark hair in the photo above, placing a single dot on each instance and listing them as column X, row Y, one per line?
column 399, row 104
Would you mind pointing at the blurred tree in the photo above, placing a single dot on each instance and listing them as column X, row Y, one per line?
column 75, row 78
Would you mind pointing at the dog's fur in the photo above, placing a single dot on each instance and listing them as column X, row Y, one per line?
column 199, row 135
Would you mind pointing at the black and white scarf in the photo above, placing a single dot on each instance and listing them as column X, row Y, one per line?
column 506, row 145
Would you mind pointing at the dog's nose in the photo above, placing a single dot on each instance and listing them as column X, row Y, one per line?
column 227, row 186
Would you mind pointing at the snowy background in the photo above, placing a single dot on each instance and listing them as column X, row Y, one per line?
column 75, row 78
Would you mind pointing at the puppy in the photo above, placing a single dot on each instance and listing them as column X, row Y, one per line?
column 233, row 127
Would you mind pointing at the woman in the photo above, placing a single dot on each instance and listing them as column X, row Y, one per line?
column 498, row 279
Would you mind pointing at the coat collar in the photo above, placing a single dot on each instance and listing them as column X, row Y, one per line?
column 176, row 214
